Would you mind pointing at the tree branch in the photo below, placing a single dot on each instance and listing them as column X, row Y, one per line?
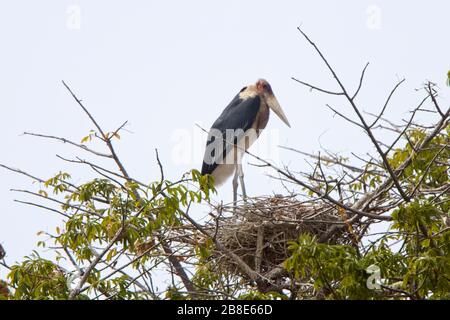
column 363, row 122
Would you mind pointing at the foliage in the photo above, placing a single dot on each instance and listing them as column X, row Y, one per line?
column 38, row 278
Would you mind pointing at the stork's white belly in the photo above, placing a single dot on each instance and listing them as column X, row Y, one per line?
column 222, row 173
column 234, row 157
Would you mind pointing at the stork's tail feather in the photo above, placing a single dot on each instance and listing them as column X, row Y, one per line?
column 206, row 168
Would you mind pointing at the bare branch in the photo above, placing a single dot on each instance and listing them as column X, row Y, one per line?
column 439, row 126
column 345, row 117
column 57, row 201
column 43, row 207
column 386, row 103
column 106, row 139
column 363, row 122
column 317, row 88
column 432, row 92
column 64, row 140
column 22, row 172
column 360, row 81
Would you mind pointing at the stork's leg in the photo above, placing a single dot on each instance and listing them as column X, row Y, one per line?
column 235, row 186
column 241, row 180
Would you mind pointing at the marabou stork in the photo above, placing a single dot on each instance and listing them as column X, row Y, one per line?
column 236, row 129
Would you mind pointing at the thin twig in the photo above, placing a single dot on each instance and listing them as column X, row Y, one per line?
column 64, row 140
column 317, row 88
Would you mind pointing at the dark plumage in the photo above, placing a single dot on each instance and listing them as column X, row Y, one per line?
column 239, row 114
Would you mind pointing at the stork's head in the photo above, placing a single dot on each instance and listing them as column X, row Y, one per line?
column 265, row 92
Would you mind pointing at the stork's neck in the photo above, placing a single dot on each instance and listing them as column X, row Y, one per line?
column 263, row 116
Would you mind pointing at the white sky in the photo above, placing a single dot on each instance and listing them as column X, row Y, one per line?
column 167, row 65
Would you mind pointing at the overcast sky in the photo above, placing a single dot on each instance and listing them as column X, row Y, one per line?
column 165, row 66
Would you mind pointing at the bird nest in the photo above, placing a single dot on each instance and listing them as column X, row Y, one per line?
column 259, row 231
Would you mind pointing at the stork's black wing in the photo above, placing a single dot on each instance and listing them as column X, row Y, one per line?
column 239, row 114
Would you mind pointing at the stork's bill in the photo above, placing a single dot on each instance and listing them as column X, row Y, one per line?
column 237, row 128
